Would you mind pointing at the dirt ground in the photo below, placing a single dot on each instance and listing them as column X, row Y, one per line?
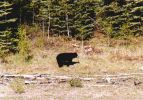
column 63, row 91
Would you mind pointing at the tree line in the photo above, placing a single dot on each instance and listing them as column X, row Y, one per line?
column 73, row 18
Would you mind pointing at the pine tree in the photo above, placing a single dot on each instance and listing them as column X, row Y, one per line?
column 45, row 15
column 7, row 37
column 73, row 18
column 64, row 17
column 125, row 17
column 136, row 21
column 113, row 13
column 58, row 19
column 67, row 13
column 84, row 18
column 33, row 5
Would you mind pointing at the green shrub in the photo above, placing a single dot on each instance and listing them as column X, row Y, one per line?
column 18, row 85
column 3, row 57
column 76, row 82
column 24, row 44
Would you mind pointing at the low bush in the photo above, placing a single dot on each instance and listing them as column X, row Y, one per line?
column 18, row 85
column 76, row 82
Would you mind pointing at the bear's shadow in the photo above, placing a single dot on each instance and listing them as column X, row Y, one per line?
column 66, row 59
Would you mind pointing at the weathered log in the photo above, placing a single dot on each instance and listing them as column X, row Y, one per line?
column 47, row 78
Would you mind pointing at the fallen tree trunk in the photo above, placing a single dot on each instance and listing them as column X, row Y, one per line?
column 47, row 78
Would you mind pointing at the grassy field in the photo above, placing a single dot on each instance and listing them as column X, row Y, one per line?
column 122, row 56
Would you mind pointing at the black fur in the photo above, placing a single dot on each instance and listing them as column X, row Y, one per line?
column 66, row 59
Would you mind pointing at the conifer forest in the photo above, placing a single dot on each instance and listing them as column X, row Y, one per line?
column 47, row 47
column 73, row 18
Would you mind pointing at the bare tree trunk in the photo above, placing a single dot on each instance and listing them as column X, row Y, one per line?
column 43, row 26
column 108, row 40
column 82, row 46
column 20, row 17
column 68, row 31
column 33, row 21
column 20, row 14
column 49, row 25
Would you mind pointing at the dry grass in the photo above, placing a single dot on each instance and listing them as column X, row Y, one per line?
column 18, row 85
column 118, row 58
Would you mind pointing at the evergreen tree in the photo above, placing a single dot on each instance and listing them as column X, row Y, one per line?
column 121, row 14
column 70, row 17
column 112, row 13
column 67, row 12
column 33, row 5
column 58, row 19
column 65, row 17
column 84, row 18
column 136, row 21
column 7, row 37
column 45, row 15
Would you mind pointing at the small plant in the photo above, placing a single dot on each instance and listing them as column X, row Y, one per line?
column 76, row 82
column 40, row 43
column 24, row 44
column 3, row 57
column 18, row 85
column 28, row 58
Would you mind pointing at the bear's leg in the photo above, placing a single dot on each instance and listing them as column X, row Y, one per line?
column 60, row 63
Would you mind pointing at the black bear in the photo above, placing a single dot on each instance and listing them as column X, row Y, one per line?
column 66, row 59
